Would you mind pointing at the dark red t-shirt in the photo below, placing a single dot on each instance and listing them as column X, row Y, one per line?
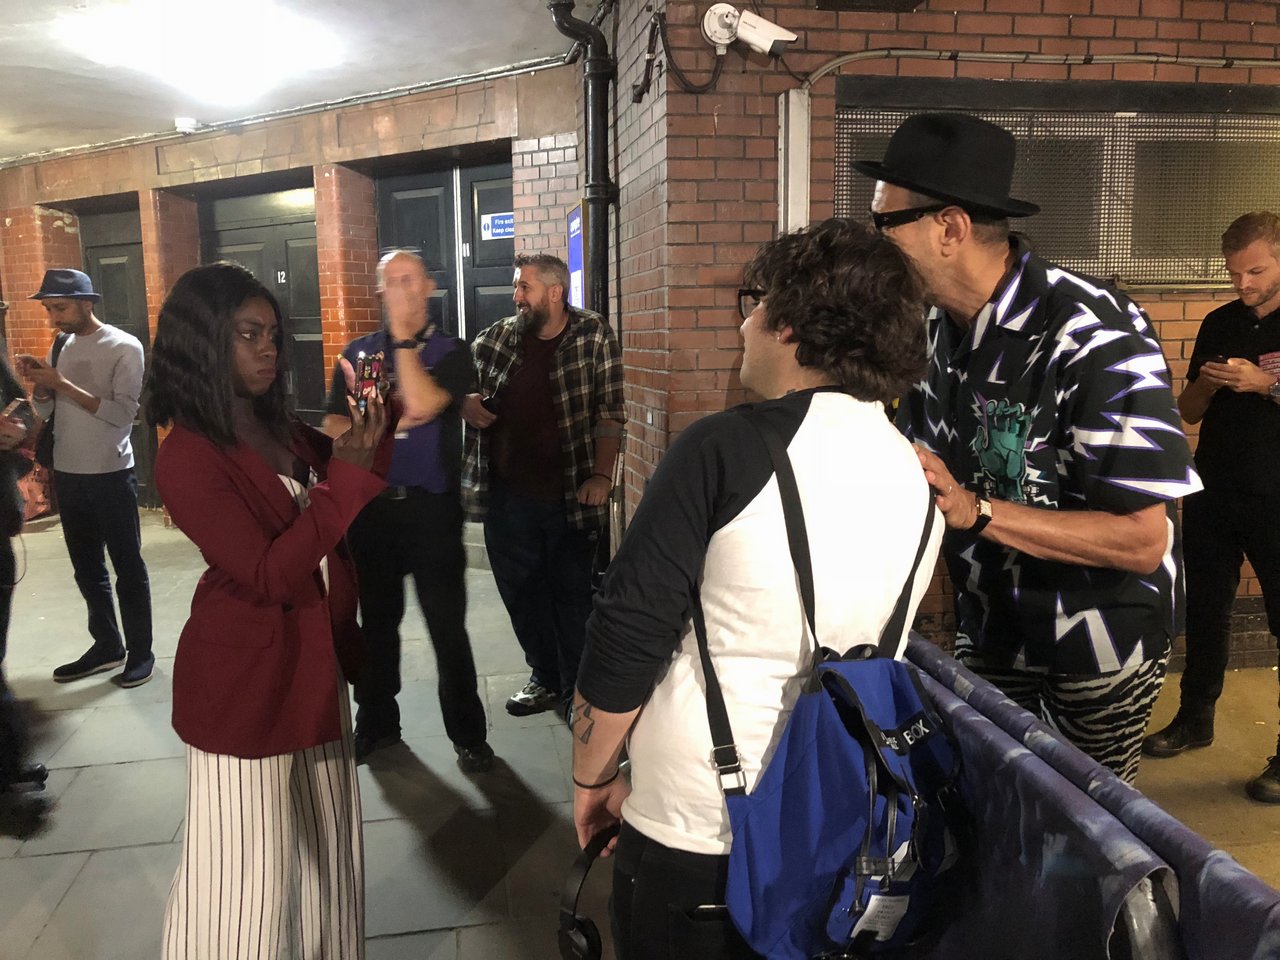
column 525, row 453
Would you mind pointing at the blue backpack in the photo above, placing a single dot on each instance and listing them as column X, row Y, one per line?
column 846, row 845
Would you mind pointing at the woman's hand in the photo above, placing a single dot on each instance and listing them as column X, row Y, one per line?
column 12, row 433
column 359, row 444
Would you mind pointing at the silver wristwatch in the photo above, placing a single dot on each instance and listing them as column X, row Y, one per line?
column 1274, row 390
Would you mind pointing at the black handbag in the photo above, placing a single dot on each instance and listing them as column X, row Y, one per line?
column 44, row 442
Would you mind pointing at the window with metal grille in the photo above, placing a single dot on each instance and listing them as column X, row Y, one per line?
column 1141, row 199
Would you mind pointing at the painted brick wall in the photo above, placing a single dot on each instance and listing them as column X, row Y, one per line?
column 545, row 184
column 347, row 255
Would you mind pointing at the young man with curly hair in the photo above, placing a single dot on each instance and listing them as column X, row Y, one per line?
column 831, row 332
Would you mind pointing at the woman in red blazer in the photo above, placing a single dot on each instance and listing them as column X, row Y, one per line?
column 272, row 853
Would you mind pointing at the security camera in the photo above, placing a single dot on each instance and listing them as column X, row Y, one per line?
column 724, row 23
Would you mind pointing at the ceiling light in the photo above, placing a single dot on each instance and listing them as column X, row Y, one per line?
column 229, row 54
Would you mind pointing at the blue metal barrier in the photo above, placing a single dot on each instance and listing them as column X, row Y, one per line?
column 1223, row 911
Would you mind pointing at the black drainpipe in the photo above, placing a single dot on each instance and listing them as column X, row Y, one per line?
column 598, row 70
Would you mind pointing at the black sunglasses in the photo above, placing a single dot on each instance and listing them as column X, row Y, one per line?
column 898, row 218
column 748, row 299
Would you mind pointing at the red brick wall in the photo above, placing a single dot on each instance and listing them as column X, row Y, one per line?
column 33, row 240
column 719, row 153
column 170, row 243
column 347, row 253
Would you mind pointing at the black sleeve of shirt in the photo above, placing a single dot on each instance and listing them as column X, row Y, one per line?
column 713, row 470
column 455, row 372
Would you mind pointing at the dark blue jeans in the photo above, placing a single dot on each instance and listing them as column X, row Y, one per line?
column 542, row 567
column 100, row 510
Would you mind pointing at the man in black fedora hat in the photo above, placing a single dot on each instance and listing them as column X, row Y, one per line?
column 1047, row 427
column 90, row 385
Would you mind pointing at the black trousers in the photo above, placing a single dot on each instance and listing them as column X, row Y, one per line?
column 13, row 739
column 1219, row 530
column 418, row 536
column 542, row 568
column 669, row 904
column 100, row 510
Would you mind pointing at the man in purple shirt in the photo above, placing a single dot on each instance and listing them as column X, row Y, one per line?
column 414, row 527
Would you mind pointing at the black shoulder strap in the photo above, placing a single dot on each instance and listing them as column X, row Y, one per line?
column 891, row 635
column 793, row 514
column 58, row 343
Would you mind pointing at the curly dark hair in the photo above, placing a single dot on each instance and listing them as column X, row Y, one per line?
column 853, row 301
column 189, row 381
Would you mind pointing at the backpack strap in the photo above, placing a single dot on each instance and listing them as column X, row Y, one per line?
column 891, row 635
column 793, row 514
column 58, row 343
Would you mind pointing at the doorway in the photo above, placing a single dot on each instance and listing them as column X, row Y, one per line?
column 273, row 235
column 461, row 222
column 111, row 245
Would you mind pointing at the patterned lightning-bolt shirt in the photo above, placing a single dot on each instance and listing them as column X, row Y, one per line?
column 1058, row 397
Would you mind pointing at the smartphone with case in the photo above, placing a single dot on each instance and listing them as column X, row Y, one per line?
column 366, row 380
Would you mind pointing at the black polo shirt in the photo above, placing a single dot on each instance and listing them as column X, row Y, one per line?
column 1239, row 448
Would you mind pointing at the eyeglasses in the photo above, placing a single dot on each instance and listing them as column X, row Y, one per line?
column 748, row 299
column 898, row 218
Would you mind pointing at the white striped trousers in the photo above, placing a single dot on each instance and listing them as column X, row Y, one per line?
column 272, row 858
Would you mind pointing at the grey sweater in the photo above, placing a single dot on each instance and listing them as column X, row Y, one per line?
column 108, row 365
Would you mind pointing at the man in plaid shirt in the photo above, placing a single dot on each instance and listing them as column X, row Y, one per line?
column 543, row 433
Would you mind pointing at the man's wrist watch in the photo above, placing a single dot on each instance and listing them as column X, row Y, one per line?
column 1274, row 391
column 984, row 516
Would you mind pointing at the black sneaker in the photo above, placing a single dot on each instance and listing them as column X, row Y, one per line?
column 475, row 759
column 365, row 744
column 1265, row 787
column 532, row 698
column 136, row 674
column 92, row 662
column 1183, row 733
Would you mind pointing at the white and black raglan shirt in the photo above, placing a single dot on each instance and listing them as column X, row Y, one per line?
column 712, row 518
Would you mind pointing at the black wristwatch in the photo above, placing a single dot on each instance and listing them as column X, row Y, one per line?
column 409, row 344
column 984, row 516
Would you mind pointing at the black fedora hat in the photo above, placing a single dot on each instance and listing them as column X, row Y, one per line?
column 955, row 157
column 68, row 283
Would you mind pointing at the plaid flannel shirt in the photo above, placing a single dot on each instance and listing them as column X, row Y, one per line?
column 587, row 381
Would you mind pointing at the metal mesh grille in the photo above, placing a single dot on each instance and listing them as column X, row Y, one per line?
column 1142, row 199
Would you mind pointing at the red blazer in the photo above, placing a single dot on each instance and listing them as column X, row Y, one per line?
column 256, row 672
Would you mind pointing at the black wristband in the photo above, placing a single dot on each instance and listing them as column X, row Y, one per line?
column 597, row 786
column 602, row 476
column 410, row 344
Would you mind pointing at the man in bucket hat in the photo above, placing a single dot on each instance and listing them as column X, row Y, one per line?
column 1047, row 427
column 94, row 387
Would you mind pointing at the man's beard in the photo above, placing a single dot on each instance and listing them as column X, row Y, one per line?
column 533, row 319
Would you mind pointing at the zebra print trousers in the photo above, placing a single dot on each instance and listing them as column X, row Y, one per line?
column 1104, row 715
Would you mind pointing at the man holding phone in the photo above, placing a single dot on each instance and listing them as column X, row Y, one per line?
column 1233, row 391
column 94, row 388
column 414, row 527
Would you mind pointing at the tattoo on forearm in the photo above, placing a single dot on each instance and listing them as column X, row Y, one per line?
column 583, row 721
